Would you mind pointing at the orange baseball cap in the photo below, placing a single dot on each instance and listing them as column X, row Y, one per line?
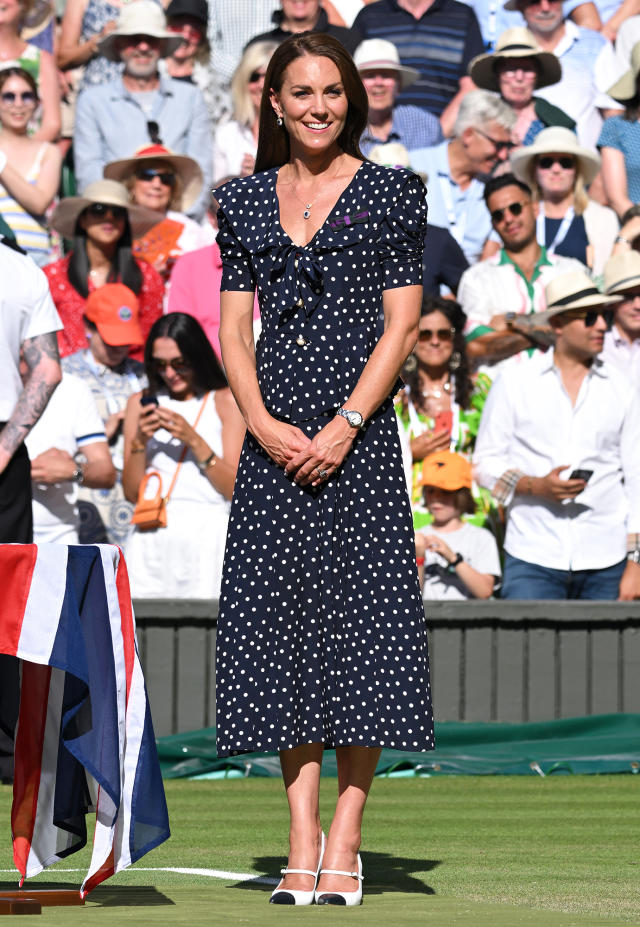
column 114, row 309
column 446, row 470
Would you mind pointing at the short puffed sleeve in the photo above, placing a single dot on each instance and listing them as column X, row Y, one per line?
column 237, row 270
column 402, row 233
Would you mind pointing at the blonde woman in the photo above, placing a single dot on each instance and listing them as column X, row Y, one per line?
column 236, row 141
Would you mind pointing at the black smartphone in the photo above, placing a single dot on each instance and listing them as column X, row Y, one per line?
column 148, row 399
column 581, row 475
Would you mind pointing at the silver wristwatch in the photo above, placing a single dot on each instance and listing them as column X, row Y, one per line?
column 354, row 418
column 78, row 475
column 634, row 555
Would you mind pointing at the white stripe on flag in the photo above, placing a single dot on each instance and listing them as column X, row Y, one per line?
column 46, row 595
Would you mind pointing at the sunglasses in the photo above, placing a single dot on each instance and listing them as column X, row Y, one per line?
column 154, row 132
column 99, row 210
column 177, row 364
column 9, row 97
column 442, row 334
column 514, row 208
column 589, row 316
column 168, row 178
column 547, row 162
column 497, row 143
column 255, row 76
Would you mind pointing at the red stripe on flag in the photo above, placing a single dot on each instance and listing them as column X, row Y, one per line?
column 17, row 563
column 126, row 619
column 104, row 872
column 34, row 698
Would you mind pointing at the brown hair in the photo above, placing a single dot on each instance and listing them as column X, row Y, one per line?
column 461, row 498
column 273, row 140
column 6, row 73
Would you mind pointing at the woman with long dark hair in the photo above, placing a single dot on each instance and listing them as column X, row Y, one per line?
column 187, row 429
column 321, row 636
column 101, row 223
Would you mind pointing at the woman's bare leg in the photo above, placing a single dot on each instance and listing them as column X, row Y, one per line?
column 301, row 773
column 356, row 766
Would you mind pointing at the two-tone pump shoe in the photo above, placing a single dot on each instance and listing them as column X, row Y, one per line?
column 295, row 896
column 342, row 898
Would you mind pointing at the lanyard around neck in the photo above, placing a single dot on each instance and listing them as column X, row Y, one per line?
column 560, row 235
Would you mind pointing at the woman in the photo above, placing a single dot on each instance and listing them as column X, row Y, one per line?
column 559, row 170
column 516, row 69
column 101, row 224
column 84, row 24
column 190, row 60
column 619, row 142
column 192, row 428
column 441, row 406
column 39, row 63
column 236, row 141
column 30, row 176
column 330, row 240
column 168, row 183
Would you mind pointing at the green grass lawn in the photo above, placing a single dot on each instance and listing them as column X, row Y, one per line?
column 444, row 851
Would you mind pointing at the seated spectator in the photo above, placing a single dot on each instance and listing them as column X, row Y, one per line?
column 30, row 169
column 15, row 52
column 569, row 223
column 458, row 169
column 438, row 40
column 305, row 16
column 68, row 449
column 515, row 70
column 622, row 341
column 115, row 118
column 558, row 444
column 236, row 141
column 112, row 330
column 499, row 294
column 191, row 437
column 440, row 408
column 101, row 224
column 619, row 141
column 494, row 18
column 84, row 24
column 581, row 53
column 169, row 184
column 384, row 77
column 456, row 560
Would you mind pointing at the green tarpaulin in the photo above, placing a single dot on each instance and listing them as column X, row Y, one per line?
column 597, row 744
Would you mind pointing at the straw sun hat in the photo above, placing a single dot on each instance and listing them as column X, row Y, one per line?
column 550, row 141
column 627, row 86
column 622, row 273
column 110, row 193
column 144, row 17
column 516, row 42
column 378, row 53
column 573, row 291
column 186, row 168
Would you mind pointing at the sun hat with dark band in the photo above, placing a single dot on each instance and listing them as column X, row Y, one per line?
column 144, row 17
column 573, row 291
column 554, row 140
column 187, row 169
column 375, row 54
column 622, row 273
column 626, row 87
column 516, row 42
column 109, row 192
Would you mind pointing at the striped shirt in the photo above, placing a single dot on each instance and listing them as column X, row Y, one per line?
column 440, row 45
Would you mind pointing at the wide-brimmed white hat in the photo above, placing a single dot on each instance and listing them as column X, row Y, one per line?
column 186, row 168
column 144, row 17
column 626, row 87
column 554, row 140
column 575, row 290
column 378, row 53
column 111, row 193
column 516, row 42
column 622, row 272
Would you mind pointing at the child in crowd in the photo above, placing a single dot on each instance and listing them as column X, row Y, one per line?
column 456, row 560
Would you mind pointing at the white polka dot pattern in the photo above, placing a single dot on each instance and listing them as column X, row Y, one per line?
column 321, row 632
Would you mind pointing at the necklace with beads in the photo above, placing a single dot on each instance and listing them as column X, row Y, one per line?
column 436, row 392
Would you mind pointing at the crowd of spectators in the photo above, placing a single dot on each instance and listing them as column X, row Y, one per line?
column 520, row 418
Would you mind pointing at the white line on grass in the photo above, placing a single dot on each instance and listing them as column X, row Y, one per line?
column 209, row 873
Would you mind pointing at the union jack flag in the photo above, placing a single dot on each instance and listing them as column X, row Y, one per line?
column 84, row 740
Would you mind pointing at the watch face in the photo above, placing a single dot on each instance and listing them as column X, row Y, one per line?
column 354, row 419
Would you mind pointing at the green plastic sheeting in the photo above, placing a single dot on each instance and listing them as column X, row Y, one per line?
column 597, row 744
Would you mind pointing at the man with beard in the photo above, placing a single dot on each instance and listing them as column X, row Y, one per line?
column 459, row 168
column 500, row 293
column 118, row 117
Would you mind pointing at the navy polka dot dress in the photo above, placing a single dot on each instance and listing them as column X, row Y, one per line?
column 321, row 631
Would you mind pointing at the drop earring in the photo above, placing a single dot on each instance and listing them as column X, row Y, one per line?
column 455, row 361
column 279, row 121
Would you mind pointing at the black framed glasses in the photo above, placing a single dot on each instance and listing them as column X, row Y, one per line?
column 514, row 208
column 547, row 161
column 9, row 97
column 255, row 76
column 100, row 210
column 497, row 143
column 442, row 334
column 168, row 178
column 178, row 364
column 590, row 316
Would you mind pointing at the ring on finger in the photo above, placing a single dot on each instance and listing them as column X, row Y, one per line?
column 322, row 473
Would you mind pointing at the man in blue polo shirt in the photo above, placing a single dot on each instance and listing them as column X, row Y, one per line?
column 436, row 37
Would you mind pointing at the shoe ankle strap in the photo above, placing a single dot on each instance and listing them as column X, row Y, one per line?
column 298, row 871
column 354, row 875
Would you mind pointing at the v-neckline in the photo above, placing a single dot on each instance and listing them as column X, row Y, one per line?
column 329, row 214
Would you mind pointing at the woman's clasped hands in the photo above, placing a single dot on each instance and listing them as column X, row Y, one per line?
column 310, row 461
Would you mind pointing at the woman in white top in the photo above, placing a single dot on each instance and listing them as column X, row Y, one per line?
column 188, row 406
column 236, row 141
column 29, row 168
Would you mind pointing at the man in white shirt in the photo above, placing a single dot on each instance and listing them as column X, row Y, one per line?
column 558, row 444
column 499, row 294
column 622, row 341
